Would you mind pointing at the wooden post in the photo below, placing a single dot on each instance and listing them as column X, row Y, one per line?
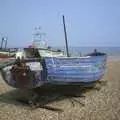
column 66, row 43
column 5, row 43
column 2, row 42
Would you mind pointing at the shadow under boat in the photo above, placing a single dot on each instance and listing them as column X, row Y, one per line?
column 47, row 94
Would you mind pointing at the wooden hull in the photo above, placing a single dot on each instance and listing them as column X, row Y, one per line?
column 75, row 70
column 58, row 70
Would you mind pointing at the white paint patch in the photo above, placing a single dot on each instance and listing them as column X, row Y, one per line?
column 34, row 66
column 7, row 68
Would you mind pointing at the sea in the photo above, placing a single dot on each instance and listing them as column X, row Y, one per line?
column 112, row 52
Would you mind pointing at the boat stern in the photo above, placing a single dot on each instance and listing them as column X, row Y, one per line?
column 23, row 75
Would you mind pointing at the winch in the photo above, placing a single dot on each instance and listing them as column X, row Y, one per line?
column 21, row 73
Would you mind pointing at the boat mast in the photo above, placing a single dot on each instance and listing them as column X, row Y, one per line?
column 66, row 43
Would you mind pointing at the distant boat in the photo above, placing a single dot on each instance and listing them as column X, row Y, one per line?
column 6, row 54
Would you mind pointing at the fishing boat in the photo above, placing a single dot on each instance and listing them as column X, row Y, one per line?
column 34, row 72
column 37, row 66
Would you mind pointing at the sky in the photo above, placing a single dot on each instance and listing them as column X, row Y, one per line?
column 88, row 22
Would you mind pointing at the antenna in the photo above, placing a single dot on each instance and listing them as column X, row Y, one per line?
column 66, row 43
column 38, row 38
